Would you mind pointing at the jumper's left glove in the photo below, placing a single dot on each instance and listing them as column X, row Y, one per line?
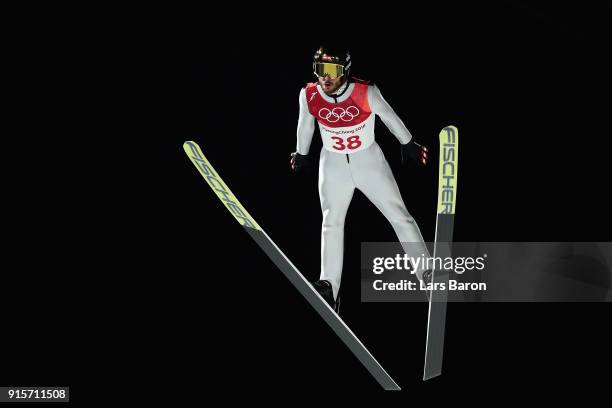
column 416, row 152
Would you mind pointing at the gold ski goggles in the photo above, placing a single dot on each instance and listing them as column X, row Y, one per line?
column 322, row 69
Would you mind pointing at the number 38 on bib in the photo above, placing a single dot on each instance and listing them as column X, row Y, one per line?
column 349, row 139
column 350, row 143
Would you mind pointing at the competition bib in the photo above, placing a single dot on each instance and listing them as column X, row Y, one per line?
column 346, row 127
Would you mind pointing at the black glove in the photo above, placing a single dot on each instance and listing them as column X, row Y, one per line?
column 299, row 162
column 416, row 152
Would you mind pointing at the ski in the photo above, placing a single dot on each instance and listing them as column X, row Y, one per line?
column 447, row 196
column 284, row 264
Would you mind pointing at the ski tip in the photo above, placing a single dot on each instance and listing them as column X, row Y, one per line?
column 189, row 143
column 192, row 149
column 449, row 129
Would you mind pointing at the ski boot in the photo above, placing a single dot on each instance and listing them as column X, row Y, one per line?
column 324, row 288
column 427, row 275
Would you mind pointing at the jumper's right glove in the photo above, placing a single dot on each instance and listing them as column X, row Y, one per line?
column 416, row 152
column 299, row 162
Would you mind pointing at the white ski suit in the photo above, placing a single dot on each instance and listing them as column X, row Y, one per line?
column 351, row 158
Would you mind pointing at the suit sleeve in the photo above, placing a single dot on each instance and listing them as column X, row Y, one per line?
column 305, row 127
column 379, row 106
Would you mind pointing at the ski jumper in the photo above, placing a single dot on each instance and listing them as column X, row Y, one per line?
column 350, row 159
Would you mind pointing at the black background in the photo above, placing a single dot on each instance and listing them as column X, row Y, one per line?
column 165, row 290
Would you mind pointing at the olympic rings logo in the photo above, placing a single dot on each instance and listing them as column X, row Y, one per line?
column 337, row 114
